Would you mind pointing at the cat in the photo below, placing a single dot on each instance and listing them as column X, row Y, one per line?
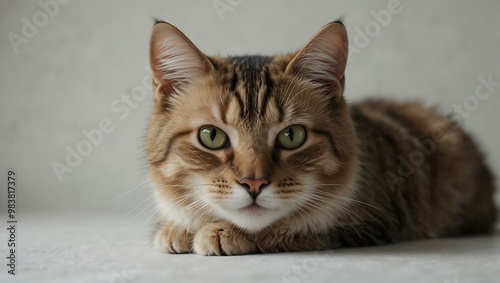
column 258, row 154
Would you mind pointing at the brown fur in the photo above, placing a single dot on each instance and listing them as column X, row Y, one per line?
column 361, row 194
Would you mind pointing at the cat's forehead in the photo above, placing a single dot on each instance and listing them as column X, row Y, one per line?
column 251, row 65
column 249, row 73
column 249, row 83
column 255, row 94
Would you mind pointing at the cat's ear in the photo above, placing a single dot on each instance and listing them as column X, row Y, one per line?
column 323, row 59
column 175, row 60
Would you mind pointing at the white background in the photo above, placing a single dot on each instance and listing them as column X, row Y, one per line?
column 65, row 79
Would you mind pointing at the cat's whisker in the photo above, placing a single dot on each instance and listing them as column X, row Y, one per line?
column 155, row 211
column 149, row 198
column 131, row 190
column 327, row 212
column 140, row 212
column 319, row 196
column 342, row 209
column 198, row 206
column 307, row 185
column 194, row 205
column 347, row 199
column 301, row 210
column 148, row 211
column 206, row 215
column 321, row 199
column 358, row 202
column 187, row 186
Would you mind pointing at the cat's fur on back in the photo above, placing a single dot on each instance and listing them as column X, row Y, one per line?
column 263, row 154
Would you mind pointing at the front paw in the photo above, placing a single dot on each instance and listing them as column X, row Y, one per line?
column 222, row 239
column 173, row 240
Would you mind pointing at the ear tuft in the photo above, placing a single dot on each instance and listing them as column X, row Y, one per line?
column 175, row 60
column 338, row 21
column 323, row 60
column 159, row 21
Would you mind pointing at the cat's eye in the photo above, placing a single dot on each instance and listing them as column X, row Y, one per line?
column 212, row 137
column 291, row 137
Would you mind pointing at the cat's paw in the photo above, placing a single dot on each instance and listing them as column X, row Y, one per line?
column 222, row 239
column 173, row 240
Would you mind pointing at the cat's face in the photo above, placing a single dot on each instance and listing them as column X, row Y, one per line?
column 250, row 140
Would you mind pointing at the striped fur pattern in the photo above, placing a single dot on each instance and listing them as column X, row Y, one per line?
column 370, row 173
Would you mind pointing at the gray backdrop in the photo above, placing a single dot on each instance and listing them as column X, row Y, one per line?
column 68, row 68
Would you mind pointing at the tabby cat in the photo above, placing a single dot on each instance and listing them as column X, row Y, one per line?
column 258, row 154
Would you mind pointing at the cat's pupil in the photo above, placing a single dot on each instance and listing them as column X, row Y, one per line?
column 290, row 134
column 213, row 133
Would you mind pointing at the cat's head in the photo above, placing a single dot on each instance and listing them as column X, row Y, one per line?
column 252, row 140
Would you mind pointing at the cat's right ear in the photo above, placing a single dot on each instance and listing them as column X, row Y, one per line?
column 175, row 60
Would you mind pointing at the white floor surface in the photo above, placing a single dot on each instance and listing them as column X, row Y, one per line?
column 114, row 249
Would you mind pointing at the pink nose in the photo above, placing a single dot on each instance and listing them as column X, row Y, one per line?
column 253, row 186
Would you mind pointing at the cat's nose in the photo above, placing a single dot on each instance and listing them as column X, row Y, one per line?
column 254, row 186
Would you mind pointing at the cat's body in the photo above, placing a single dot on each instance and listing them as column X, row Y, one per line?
column 423, row 170
column 263, row 154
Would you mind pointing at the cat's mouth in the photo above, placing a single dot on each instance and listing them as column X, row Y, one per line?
column 253, row 209
column 254, row 216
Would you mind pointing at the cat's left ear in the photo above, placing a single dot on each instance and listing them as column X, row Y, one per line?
column 323, row 59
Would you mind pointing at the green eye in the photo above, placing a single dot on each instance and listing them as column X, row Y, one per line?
column 291, row 137
column 212, row 137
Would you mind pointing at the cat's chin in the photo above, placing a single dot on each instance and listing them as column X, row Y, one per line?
column 254, row 218
column 253, row 209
